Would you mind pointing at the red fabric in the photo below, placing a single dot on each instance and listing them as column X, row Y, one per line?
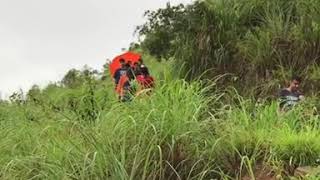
column 128, row 56
column 145, row 81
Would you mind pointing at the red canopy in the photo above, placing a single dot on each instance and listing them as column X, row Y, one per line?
column 128, row 56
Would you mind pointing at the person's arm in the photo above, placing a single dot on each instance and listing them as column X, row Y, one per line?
column 147, row 71
column 301, row 96
column 116, row 76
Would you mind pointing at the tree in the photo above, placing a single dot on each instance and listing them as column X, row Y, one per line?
column 256, row 43
column 160, row 30
column 72, row 79
column 34, row 93
column 17, row 97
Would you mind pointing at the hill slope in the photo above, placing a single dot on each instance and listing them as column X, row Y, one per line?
column 179, row 132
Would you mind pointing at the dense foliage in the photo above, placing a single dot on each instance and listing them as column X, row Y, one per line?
column 258, row 44
column 81, row 131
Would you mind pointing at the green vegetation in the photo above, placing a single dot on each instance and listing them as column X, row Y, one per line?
column 179, row 132
column 206, row 126
column 259, row 44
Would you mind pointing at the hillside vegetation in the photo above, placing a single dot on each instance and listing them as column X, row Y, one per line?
column 211, row 61
column 80, row 131
column 258, row 44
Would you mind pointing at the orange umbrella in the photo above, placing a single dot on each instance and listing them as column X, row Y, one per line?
column 128, row 56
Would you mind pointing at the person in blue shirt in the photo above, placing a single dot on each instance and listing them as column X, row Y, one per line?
column 291, row 95
column 119, row 72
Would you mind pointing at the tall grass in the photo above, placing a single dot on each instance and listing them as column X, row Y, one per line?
column 178, row 132
column 260, row 43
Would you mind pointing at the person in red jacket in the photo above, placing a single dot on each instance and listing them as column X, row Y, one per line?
column 144, row 79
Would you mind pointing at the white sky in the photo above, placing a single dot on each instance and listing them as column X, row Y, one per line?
column 40, row 40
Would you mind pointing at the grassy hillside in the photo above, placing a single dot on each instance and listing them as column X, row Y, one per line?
column 258, row 44
column 205, row 125
column 176, row 133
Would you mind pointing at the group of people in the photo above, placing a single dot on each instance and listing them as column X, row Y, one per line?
column 126, row 74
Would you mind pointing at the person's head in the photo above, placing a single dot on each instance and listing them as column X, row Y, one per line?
column 135, row 64
column 127, row 65
column 130, row 63
column 140, row 61
column 295, row 83
column 122, row 62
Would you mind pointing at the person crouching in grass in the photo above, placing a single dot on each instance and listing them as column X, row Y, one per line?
column 291, row 95
column 145, row 80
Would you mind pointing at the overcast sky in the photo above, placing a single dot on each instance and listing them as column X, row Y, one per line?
column 41, row 39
